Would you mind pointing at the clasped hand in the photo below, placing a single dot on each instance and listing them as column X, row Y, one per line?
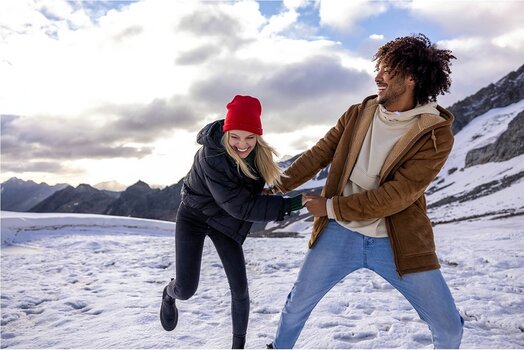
column 315, row 204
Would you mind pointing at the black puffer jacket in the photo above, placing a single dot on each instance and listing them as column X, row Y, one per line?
column 229, row 201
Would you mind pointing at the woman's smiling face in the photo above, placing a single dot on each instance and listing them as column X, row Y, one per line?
column 242, row 142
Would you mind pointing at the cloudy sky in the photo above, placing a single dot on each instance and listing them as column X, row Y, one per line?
column 93, row 91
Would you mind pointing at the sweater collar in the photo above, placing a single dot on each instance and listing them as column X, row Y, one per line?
column 387, row 116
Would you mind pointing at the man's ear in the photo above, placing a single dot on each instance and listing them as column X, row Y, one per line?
column 411, row 81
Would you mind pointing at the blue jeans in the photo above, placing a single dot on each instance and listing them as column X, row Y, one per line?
column 340, row 251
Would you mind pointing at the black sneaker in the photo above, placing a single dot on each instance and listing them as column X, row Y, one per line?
column 168, row 312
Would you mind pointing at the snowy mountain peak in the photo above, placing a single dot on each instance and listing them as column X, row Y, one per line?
column 110, row 186
column 506, row 91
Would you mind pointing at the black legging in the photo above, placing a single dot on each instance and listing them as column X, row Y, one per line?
column 189, row 242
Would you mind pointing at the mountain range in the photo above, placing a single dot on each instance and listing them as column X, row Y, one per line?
column 138, row 200
column 482, row 177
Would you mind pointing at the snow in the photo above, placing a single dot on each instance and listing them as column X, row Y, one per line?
column 91, row 281
column 20, row 227
column 311, row 184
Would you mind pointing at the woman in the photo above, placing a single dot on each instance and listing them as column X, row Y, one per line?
column 221, row 197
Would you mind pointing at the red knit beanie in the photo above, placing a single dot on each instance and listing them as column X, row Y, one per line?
column 243, row 113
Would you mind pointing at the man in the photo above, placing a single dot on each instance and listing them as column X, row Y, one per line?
column 383, row 152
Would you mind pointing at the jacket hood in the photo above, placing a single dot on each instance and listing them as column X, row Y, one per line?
column 371, row 102
column 444, row 113
column 211, row 135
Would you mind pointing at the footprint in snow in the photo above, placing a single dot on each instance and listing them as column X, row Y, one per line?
column 423, row 338
column 76, row 304
column 355, row 337
column 8, row 335
column 328, row 324
column 34, row 311
column 266, row 310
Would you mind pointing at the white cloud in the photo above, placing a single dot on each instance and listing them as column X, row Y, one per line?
column 57, row 9
column 480, row 61
column 346, row 15
column 295, row 4
column 138, row 64
column 470, row 17
column 288, row 22
column 280, row 22
column 512, row 40
column 19, row 17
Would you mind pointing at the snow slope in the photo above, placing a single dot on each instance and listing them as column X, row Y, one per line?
column 88, row 281
column 456, row 180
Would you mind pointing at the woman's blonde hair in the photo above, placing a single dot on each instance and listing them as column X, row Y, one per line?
column 266, row 166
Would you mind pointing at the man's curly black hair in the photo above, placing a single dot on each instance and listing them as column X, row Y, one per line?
column 415, row 55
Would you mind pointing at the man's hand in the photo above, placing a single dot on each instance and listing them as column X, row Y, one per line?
column 315, row 204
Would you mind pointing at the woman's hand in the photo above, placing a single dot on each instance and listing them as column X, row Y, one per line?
column 267, row 192
column 315, row 204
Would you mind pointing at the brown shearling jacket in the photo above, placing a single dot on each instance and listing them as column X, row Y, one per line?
column 412, row 164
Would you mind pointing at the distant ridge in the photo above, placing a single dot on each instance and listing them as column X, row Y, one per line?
column 142, row 201
column 20, row 195
column 138, row 200
column 82, row 199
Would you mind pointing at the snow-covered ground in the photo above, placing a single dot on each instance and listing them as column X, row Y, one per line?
column 88, row 281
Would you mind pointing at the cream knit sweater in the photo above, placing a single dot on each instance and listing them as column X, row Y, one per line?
column 385, row 130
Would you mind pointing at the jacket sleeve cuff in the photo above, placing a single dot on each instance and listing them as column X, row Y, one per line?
column 285, row 209
column 330, row 209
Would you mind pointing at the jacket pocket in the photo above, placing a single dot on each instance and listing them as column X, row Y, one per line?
column 413, row 232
